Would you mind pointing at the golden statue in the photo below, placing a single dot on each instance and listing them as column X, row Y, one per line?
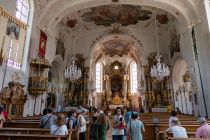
column 117, row 100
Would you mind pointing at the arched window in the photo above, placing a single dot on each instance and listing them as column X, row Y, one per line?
column 133, row 75
column 14, row 56
column 98, row 77
column 22, row 9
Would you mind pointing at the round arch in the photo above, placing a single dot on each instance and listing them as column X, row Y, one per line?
column 58, row 68
column 179, row 69
column 184, row 11
column 137, row 45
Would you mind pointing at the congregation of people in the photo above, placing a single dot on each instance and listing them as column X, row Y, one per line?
column 180, row 132
column 125, row 123
column 119, row 124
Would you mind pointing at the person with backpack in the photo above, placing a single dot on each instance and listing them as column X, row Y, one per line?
column 81, row 124
column 135, row 128
column 48, row 120
column 59, row 128
column 71, row 121
column 128, row 115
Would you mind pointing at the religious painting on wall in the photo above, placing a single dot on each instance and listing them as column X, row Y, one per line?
column 60, row 49
column 174, row 45
column 13, row 30
column 116, row 86
column 42, row 44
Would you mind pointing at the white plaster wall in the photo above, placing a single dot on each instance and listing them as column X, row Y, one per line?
column 9, row 5
column 147, row 38
column 202, row 38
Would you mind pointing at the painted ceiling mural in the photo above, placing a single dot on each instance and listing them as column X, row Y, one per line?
column 116, row 47
column 125, row 15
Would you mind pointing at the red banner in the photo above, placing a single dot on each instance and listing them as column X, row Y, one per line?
column 42, row 44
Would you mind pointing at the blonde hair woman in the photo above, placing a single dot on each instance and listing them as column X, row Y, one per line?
column 60, row 128
column 103, row 124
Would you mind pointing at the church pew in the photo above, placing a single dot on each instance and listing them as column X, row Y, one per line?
column 170, row 138
column 182, row 123
column 4, row 136
column 162, row 136
column 20, row 124
column 24, row 131
column 38, row 131
column 152, row 130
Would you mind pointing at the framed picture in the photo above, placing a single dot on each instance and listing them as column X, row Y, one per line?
column 13, row 30
column 42, row 44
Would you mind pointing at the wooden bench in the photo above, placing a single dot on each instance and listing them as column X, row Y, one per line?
column 21, row 124
column 170, row 138
column 152, row 130
column 34, row 131
column 24, row 131
column 31, row 137
column 161, row 135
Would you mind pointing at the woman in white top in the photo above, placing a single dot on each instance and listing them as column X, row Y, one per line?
column 81, row 122
column 60, row 128
column 173, row 117
column 118, row 125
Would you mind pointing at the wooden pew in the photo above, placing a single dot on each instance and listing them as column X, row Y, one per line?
column 31, row 137
column 73, row 135
column 25, row 131
column 21, row 124
column 161, row 135
column 152, row 130
column 170, row 138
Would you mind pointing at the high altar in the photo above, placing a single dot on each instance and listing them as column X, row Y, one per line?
column 116, row 86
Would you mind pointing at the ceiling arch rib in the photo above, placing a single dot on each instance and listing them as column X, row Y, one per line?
column 183, row 10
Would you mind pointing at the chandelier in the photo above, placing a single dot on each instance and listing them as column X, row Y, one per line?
column 160, row 70
column 72, row 72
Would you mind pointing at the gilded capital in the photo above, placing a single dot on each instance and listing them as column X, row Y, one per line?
column 187, row 77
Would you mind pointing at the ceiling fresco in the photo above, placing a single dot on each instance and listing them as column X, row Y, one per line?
column 162, row 19
column 125, row 15
column 116, row 47
column 71, row 23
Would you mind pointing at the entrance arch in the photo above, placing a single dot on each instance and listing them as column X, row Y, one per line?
column 182, row 94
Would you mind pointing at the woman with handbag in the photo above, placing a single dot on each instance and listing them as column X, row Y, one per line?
column 60, row 128
column 118, row 125
column 135, row 128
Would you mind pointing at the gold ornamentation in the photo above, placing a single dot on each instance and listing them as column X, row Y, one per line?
column 7, row 15
column 187, row 77
column 117, row 100
column 38, row 81
column 14, row 95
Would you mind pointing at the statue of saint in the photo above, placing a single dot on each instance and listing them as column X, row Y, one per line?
column 116, row 100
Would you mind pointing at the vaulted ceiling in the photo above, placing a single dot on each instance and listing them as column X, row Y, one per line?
column 183, row 10
column 100, row 15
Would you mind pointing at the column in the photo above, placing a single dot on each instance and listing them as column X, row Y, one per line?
column 125, row 86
